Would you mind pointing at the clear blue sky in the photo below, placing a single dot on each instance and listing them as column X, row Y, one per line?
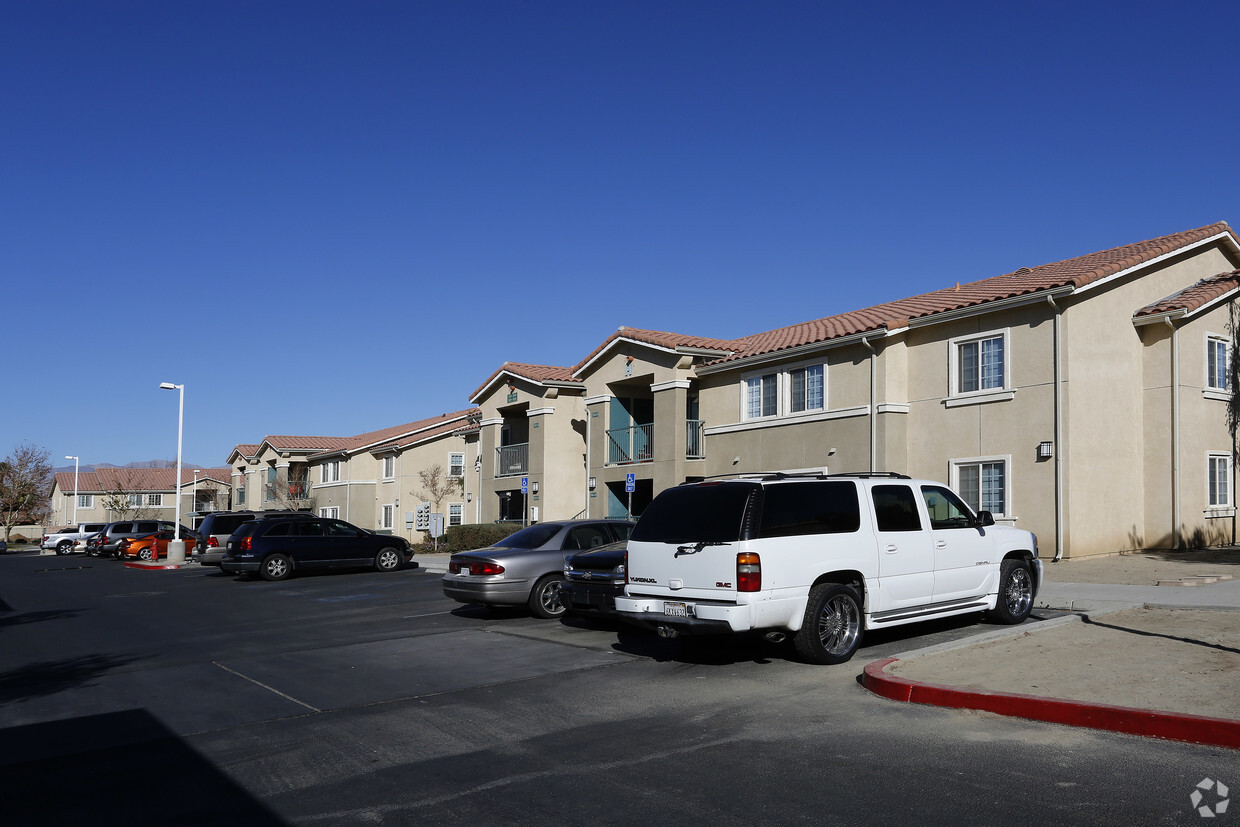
column 327, row 218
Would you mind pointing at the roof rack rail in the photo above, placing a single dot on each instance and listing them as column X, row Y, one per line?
column 810, row 475
column 890, row 475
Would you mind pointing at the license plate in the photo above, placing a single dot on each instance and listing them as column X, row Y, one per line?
column 465, row 571
column 675, row 610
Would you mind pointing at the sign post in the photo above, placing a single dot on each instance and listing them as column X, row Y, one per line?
column 525, row 503
column 630, row 484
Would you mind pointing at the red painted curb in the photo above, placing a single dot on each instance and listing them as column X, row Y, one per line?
column 143, row 564
column 1173, row 726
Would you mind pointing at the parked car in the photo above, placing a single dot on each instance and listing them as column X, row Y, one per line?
column 139, row 548
column 276, row 547
column 113, row 533
column 821, row 558
column 593, row 579
column 63, row 539
column 527, row 568
column 218, row 526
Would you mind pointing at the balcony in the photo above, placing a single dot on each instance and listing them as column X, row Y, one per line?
column 292, row 490
column 695, row 439
column 512, row 460
column 632, row 444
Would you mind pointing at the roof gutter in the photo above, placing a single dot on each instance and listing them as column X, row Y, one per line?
column 992, row 306
column 792, row 352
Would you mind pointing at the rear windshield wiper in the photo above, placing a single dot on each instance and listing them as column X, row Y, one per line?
column 698, row 546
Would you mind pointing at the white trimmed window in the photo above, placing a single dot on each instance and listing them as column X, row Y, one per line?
column 386, row 520
column 984, row 483
column 155, row 500
column 332, row 511
column 793, row 390
column 456, row 513
column 135, row 500
column 1216, row 362
column 980, row 364
column 330, row 471
column 85, row 500
column 389, row 468
column 1218, row 470
column 456, row 465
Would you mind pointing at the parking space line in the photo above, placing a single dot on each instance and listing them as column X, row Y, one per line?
column 431, row 614
column 265, row 686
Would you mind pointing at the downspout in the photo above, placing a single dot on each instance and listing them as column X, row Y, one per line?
column 1175, row 433
column 587, row 481
column 1058, row 430
column 873, row 411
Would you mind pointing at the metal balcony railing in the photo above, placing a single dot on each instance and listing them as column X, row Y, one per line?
column 294, row 490
column 511, row 460
column 695, row 439
column 632, row 444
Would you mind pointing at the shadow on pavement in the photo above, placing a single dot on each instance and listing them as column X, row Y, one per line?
column 51, row 676
column 118, row 768
column 1091, row 622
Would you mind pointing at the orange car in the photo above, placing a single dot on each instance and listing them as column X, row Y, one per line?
column 140, row 547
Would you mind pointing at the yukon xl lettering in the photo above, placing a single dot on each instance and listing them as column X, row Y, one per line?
column 822, row 559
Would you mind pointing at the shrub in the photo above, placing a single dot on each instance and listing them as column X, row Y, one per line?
column 476, row 535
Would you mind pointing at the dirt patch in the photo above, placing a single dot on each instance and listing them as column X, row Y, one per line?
column 1146, row 568
column 1174, row 660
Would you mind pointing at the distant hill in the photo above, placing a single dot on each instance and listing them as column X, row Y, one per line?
column 150, row 463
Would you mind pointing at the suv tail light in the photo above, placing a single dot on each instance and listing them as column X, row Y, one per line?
column 748, row 572
column 212, row 542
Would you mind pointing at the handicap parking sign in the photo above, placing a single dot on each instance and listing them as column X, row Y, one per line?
column 525, row 485
column 630, row 482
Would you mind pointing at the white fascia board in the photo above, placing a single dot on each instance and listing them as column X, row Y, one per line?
column 595, row 400
column 1178, row 251
column 791, row 353
column 539, row 411
column 1175, row 315
column 669, row 385
column 499, row 420
column 992, row 306
column 1159, row 318
column 704, row 351
column 613, row 344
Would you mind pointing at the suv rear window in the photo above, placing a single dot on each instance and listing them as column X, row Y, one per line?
column 709, row 512
column 794, row 508
column 227, row 523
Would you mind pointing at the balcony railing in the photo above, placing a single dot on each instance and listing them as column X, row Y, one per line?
column 293, row 490
column 695, row 439
column 632, row 444
column 512, row 460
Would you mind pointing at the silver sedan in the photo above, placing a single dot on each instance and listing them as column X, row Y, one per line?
column 527, row 568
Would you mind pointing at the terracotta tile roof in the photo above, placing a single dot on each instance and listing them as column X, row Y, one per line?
column 448, row 427
column 1075, row 273
column 1195, row 296
column 658, row 338
column 245, row 450
column 303, row 443
column 413, row 431
column 539, row 374
column 102, row 480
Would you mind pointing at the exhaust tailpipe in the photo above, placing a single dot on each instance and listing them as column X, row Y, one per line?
column 667, row 631
column 776, row 637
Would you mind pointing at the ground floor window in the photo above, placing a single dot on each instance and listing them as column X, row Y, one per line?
column 1219, row 471
column 332, row 511
column 386, row 520
column 983, row 483
column 456, row 513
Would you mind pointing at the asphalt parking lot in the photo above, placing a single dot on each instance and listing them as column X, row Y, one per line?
column 189, row 696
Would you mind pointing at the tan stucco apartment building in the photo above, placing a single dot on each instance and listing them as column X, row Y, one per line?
column 1084, row 400
column 105, row 495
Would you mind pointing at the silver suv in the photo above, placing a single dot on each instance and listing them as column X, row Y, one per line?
column 821, row 558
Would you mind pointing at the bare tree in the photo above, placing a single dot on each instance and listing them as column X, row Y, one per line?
column 291, row 491
column 437, row 487
column 24, row 478
column 127, row 499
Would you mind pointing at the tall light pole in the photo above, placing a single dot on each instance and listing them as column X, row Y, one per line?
column 75, row 488
column 176, row 526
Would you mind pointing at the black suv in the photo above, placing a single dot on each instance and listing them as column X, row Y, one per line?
column 275, row 547
column 218, row 526
column 592, row 579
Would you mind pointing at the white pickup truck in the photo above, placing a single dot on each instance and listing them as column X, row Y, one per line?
column 821, row 558
column 64, row 540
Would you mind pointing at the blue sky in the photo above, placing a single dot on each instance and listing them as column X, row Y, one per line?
column 328, row 218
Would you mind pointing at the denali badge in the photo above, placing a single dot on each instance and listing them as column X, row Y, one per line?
column 643, row 580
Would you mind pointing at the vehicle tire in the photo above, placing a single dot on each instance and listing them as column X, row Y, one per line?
column 1015, row 600
column 276, row 567
column 144, row 554
column 64, row 547
column 832, row 628
column 388, row 559
column 545, row 598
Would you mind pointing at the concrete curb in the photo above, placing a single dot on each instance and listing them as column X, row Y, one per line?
column 151, row 566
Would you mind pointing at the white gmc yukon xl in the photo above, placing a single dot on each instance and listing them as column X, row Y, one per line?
column 821, row 558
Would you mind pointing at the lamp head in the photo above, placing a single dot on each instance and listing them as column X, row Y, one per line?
column 168, row 386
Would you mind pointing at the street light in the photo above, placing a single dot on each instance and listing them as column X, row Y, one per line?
column 176, row 526
column 75, row 488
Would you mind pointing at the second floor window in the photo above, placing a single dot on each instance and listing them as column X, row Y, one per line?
column 155, row 500
column 241, row 494
column 330, row 471
column 1216, row 363
column 456, row 465
column 86, row 501
column 389, row 467
column 794, row 390
column 980, row 365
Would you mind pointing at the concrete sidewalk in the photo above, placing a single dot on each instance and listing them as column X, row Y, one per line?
column 1157, row 660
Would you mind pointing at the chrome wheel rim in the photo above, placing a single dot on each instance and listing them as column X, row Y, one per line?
column 550, row 598
column 276, row 568
column 145, row 554
column 1019, row 593
column 388, row 560
column 839, row 624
